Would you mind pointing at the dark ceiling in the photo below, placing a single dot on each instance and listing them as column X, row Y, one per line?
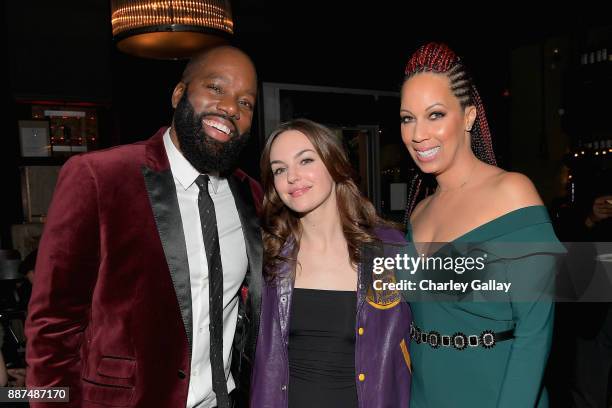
column 65, row 46
column 345, row 43
column 64, row 50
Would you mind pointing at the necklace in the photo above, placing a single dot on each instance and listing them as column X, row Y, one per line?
column 441, row 190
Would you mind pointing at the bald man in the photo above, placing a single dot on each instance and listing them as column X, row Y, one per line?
column 148, row 278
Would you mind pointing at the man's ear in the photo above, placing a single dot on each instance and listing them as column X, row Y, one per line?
column 469, row 118
column 178, row 92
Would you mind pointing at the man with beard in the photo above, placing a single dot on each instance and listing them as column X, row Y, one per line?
column 148, row 278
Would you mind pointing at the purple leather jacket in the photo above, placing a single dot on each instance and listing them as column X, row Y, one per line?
column 382, row 361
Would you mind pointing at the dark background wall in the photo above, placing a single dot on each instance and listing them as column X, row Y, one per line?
column 63, row 50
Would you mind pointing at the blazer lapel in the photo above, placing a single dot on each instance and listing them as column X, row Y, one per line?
column 164, row 203
column 252, row 235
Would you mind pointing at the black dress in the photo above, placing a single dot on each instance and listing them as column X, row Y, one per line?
column 322, row 349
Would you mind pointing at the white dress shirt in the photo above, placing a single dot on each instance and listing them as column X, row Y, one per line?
column 234, row 261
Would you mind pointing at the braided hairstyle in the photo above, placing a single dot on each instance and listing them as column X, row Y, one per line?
column 440, row 59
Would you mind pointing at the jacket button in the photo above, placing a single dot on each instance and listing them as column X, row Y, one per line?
column 360, row 331
column 284, row 388
column 181, row 374
column 362, row 377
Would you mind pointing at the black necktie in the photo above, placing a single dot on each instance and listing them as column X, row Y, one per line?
column 215, row 283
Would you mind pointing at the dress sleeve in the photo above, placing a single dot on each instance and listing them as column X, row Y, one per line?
column 532, row 306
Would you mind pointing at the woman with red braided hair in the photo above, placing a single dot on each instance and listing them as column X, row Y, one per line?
column 467, row 353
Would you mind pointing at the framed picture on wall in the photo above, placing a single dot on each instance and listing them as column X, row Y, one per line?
column 34, row 138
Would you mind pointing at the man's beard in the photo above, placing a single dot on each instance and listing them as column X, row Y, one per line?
column 205, row 153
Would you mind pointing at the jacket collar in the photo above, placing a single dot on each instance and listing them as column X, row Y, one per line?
column 156, row 157
column 161, row 190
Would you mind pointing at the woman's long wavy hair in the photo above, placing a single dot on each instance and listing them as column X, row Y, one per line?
column 439, row 58
column 280, row 224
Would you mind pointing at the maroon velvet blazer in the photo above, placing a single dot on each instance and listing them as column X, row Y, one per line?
column 110, row 314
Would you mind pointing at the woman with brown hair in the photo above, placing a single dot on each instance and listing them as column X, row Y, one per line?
column 325, row 340
column 470, row 353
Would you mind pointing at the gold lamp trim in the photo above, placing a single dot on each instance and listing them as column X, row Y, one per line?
column 170, row 29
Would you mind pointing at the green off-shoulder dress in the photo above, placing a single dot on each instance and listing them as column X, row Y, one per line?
column 520, row 248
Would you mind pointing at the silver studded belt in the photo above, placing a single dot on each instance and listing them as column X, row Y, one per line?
column 460, row 341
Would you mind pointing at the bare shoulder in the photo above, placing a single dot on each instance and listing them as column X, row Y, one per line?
column 516, row 190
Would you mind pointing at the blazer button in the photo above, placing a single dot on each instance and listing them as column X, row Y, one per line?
column 362, row 377
column 360, row 331
column 181, row 374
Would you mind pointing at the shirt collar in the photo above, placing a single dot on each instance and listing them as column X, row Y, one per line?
column 181, row 169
